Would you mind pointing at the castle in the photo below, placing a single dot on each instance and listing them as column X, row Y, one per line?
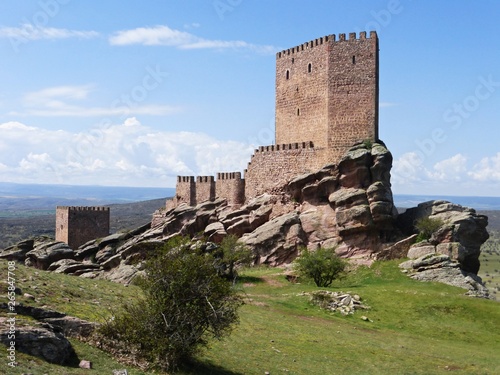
column 78, row 225
column 326, row 101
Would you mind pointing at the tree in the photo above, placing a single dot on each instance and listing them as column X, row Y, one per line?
column 234, row 253
column 185, row 303
column 322, row 265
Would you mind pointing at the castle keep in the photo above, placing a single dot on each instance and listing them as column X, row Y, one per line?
column 78, row 225
column 326, row 100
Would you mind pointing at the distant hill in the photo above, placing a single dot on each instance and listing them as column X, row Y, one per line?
column 35, row 223
column 29, row 210
column 17, row 198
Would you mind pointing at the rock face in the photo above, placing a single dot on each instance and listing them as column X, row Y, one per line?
column 42, row 341
column 45, row 252
column 348, row 206
column 460, row 237
column 441, row 268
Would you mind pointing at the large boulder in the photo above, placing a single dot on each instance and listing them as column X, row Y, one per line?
column 18, row 251
column 277, row 241
column 441, row 268
column 461, row 235
column 41, row 340
column 45, row 252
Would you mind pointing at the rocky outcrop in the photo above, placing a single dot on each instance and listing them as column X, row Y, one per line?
column 441, row 268
column 45, row 252
column 348, row 206
column 277, row 241
column 460, row 236
column 68, row 325
column 41, row 340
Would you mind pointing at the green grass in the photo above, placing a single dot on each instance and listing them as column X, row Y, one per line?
column 416, row 328
column 490, row 264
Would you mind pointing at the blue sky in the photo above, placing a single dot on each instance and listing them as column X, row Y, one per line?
column 133, row 93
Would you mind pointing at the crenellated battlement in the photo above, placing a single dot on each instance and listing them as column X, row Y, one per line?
column 323, row 40
column 185, row 178
column 229, row 176
column 205, row 179
column 83, row 208
column 284, row 147
column 77, row 225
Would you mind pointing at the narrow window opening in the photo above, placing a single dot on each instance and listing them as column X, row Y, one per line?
column 287, row 74
column 309, row 68
column 298, row 111
column 293, row 60
column 354, row 59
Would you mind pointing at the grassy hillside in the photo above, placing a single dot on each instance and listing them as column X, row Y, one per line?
column 490, row 263
column 415, row 328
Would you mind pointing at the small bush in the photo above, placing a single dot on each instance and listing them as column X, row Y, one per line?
column 234, row 254
column 185, row 303
column 322, row 265
column 426, row 227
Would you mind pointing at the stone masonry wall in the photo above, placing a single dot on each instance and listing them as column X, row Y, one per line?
column 185, row 190
column 326, row 101
column 231, row 187
column 353, row 91
column 273, row 166
column 302, row 93
column 327, row 92
column 78, row 225
column 205, row 188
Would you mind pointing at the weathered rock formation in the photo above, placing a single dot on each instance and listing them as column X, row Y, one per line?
column 460, row 237
column 348, row 206
column 41, row 340
column 441, row 268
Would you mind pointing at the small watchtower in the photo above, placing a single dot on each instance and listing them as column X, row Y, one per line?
column 327, row 92
column 78, row 225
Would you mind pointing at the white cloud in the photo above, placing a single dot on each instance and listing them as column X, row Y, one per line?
column 165, row 36
column 409, row 168
column 450, row 170
column 121, row 154
column 451, row 176
column 63, row 101
column 54, row 94
column 28, row 32
column 488, row 169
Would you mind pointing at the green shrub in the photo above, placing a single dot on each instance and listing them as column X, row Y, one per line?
column 186, row 302
column 426, row 227
column 322, row 265
column 234, row 254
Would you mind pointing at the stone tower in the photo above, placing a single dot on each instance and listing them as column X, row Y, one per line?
column 327, row 92
column 77, row 225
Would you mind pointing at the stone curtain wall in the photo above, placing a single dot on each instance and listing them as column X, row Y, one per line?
column 205, row 188
column 327, row 92
column 185, row 191
column 78, row 225
column 272, row 167
column 231, row 187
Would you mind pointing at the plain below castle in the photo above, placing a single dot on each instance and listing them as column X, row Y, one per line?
column 326, row 101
